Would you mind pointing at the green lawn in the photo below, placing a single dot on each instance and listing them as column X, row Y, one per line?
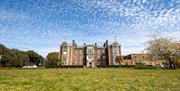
column 89, row 80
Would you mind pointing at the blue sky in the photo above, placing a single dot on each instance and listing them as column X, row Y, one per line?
column 41, row 25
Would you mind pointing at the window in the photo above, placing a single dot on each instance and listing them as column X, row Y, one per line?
column 115, row 52
column 76, row 52
column 81, row 52
column 103, row 62
column 103, row 57
column 80, row 62
column 64, row 49
column 99, row 51
column 103, row 51
column 99, row 57
column 76, row 62
column 143, row 57
column 76, row 58
column 90, row 57
column 64, row 56
column 134, row 56
column 90, row 50
column 81, row 57
column 64, row 52
column 65, row 62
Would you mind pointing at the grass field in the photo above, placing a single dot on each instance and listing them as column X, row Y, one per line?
column 89, row 80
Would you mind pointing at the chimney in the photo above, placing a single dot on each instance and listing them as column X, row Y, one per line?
column 106, row 42
column 74, row 44
column 95, row 44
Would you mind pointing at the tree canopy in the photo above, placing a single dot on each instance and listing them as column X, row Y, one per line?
column 52, row 60
column 164, row 48
column 18, row 58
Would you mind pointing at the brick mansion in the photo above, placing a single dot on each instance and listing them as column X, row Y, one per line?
column 91, row 55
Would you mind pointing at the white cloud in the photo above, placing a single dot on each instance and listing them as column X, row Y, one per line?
column 10, row 15
column 130, row 20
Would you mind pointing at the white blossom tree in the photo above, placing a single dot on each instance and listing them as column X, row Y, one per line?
column 162, row 48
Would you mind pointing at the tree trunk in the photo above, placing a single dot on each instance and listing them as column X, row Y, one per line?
column 174, row 66
column 170, row 64
column 3, row 63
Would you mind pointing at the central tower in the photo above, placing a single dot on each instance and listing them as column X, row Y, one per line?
column 90, row 56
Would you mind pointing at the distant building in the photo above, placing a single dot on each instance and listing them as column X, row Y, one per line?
column 89, row 55
column 147, row 59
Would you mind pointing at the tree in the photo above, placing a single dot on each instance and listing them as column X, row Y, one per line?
column 21, row 59
column 52, row 60
column 18, row 58
column 163, row 49
column 119, row 60
column 34, row 57
column 4, row 55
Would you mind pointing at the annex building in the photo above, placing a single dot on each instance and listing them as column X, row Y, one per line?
column 89, row 55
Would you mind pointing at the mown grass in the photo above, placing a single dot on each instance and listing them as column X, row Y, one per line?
column 105, row 79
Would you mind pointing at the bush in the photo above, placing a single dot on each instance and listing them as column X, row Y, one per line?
column 52, row 63
column 71, row 66
column 177, row 62
column 140, row 65
column 108, row 66
column 115, row 66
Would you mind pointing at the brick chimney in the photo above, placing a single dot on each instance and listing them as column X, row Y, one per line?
column 106, row 44
column 74, row 44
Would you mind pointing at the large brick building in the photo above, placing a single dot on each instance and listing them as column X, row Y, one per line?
column 89, row 55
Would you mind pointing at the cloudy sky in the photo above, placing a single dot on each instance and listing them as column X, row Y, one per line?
column 41, row 25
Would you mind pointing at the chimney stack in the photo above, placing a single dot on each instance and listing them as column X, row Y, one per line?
column 95, row 44
column 74, row 44
column 106, row 42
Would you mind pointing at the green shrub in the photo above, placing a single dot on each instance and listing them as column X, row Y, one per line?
column 140, row 65
column 71, row 66
column 52, row 63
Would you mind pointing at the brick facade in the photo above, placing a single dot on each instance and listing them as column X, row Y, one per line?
column 147, row 59
column 89, row 55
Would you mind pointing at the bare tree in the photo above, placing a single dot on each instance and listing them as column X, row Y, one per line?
column 162, row 48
